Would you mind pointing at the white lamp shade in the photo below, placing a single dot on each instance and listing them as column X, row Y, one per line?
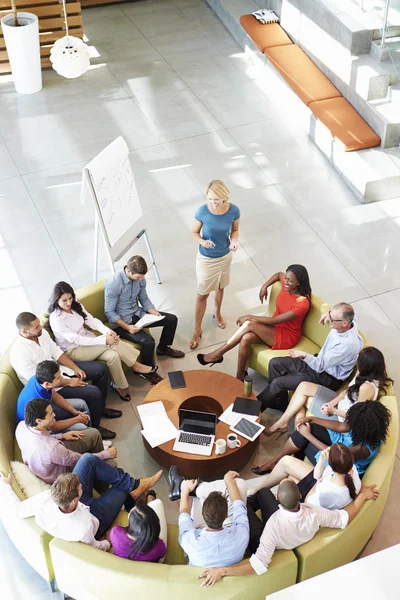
column 70, row 57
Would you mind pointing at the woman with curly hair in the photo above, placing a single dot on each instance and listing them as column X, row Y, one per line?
column 364, row 430
column 69, row 320
column 370, row 381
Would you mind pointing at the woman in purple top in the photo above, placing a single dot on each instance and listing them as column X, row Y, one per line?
column 145, row 536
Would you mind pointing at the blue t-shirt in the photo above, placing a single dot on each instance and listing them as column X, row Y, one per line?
column 31, row 391
column 217, row 229
column 346, row 439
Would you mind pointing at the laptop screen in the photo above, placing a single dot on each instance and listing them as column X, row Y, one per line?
column 194, row 421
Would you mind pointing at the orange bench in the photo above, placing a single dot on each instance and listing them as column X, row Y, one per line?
column 345, row 124
column 264, row 36
column 303, row 76
column 311, row 85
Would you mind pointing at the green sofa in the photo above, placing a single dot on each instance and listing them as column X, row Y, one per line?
column 96, row 574
column 84, row 572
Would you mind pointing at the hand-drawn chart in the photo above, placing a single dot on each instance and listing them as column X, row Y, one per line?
column 115, row 190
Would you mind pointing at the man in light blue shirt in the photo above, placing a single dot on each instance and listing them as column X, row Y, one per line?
column 214, row 545
column 126, row 301
column 333, row 365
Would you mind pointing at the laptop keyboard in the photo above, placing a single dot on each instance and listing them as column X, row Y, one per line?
column 190, row 438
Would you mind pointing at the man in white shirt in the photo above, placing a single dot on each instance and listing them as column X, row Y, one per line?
column 69, row 512
column 288, row 525
column 34, row 345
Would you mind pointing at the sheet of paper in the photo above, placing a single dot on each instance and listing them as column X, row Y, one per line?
column 157, row 427
column 231, row 418
column 158, row 436
column 151, row 414
column 148, row 320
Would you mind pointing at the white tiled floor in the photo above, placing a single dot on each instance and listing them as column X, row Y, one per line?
column 191, row 108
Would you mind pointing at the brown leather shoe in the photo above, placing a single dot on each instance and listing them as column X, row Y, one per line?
column 170, row 352
column 145, row 485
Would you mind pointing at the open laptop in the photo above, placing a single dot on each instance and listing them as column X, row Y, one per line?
column 196, row 433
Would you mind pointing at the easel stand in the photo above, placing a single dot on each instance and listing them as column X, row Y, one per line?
column 112, row 257
column 112, row 265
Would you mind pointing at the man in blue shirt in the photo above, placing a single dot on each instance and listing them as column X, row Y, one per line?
column 214, row 545
column 70, row 416
column 330, row 367
column 126, row 301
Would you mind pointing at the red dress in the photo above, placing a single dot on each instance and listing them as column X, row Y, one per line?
column 288, row 334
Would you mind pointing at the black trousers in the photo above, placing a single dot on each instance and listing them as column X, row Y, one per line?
column 285, row 374
column 95, row 395
column 305, row 446
column 265, row 501
column 146, row 341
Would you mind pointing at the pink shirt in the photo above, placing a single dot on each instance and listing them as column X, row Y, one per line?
column 70, row 332
column 45, row 454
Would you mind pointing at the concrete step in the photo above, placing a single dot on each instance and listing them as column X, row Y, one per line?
column 372, row 174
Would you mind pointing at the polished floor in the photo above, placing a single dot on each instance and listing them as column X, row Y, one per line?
column 167, row 76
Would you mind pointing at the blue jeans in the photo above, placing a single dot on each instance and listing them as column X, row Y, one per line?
column 107, row 506
column 62, row 414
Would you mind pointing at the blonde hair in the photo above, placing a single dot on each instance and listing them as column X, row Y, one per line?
column 219, row 188
column 65, row 489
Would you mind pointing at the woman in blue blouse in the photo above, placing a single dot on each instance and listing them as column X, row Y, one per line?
column 364, row 431
column 216, row 229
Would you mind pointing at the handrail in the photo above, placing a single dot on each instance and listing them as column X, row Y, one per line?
column 385, row 20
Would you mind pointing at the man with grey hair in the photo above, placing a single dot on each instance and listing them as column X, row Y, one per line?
column 330, row 367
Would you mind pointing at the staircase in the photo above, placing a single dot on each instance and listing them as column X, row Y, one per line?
column 345, row 43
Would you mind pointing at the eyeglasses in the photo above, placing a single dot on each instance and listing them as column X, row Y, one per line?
column 334, row 320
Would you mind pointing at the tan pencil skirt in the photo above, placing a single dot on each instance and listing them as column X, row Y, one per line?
column 212, row 273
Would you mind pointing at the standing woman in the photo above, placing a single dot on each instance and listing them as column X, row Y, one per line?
column 218, row 222
column 68, row 320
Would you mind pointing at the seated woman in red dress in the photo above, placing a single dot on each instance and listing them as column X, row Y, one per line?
column 281, row 331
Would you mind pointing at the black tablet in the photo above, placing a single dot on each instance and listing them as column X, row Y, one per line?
column 176, row 379
column 247, row 407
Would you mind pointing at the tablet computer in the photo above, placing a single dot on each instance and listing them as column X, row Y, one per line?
column 248, row 429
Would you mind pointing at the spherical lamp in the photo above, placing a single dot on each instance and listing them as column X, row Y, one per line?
column 69, row 55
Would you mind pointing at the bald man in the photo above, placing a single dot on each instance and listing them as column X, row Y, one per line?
column 286, row 524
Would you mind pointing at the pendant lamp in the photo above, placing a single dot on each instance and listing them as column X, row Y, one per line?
column 69, row 55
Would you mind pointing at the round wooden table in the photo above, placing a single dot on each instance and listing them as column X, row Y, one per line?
column 207, row 391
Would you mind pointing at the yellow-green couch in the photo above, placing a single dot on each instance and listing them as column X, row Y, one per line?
column 84, row 572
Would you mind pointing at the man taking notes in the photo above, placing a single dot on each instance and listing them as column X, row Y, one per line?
column 126, row 301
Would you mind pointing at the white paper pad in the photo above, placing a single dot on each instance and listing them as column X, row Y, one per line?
column 148, row 320
column 157, row 427
column 231, row 418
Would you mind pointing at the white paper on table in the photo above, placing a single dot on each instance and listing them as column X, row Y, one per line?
column 151, row 413
column 148, row 320
column 231, row 418
column 158, row 436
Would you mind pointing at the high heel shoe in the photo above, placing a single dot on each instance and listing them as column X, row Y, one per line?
column 126, row 398
column 194, row 342
column 200, row 358
column 258, row 471
column 281, row 431
column 221, row 324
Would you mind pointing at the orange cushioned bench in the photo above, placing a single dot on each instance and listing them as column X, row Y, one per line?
column 264, row 36
column 345, row 124
column 303, row 76
column 311, row 85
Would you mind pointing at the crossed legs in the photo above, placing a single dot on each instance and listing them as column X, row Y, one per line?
column 249, row 333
